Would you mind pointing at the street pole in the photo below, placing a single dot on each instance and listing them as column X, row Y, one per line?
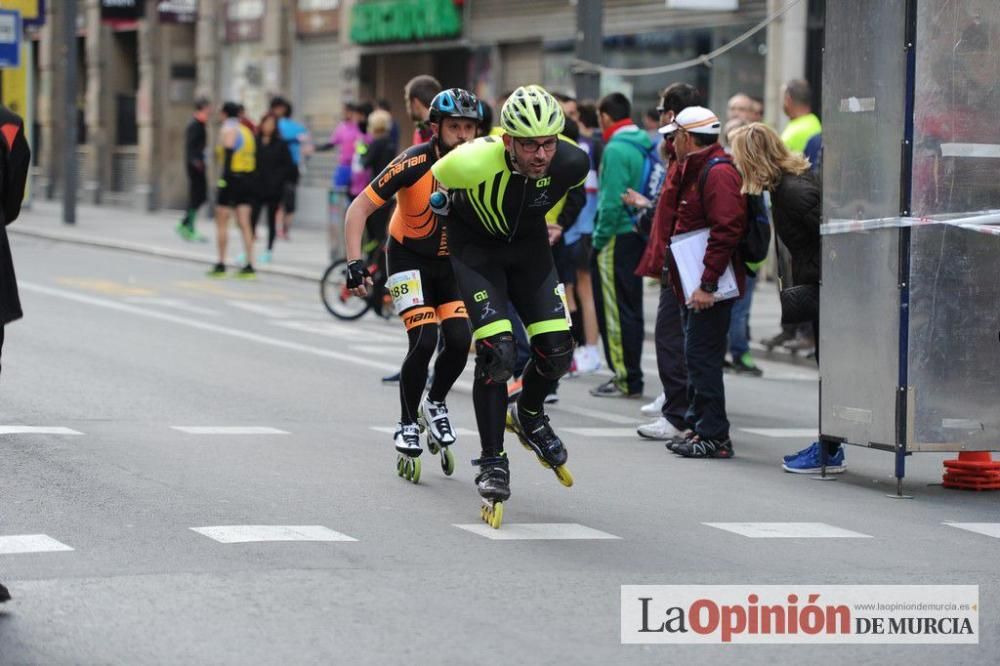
column 69, row 137
column 589, row 38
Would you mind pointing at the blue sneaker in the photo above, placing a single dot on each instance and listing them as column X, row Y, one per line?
column 808, row 462
column 793, row 456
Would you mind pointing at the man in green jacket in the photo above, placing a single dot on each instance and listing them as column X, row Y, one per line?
column 618, row 249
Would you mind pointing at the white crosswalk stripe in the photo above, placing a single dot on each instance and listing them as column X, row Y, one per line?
column 36, row 430
column 603, row 432
column 30, row 543
column 986, row 529
column 536, row 531
column 788, row 530
column 229, row 430
column 258, row 533
column 780, row 433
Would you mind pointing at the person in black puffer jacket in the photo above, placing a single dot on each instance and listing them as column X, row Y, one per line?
column 275, row 170
column 796, row 208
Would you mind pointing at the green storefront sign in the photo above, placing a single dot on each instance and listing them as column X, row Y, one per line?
column 404, row 20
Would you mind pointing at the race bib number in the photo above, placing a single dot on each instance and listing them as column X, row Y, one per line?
column 405, row 289
column 561, row 291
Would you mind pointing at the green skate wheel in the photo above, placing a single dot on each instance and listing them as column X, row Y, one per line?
column 432, row 445
column 400, row 465
column 447, row 461
column 415, row 470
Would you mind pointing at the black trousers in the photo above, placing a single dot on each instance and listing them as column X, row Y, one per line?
column 618, row 300
column 705, row 341
column 669, row 341
column 1, row 347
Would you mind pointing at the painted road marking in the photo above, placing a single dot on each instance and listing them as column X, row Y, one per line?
column 335, row 330
column 229, row 430
column 272, row 311
column 256, row 533
column 535, row 531
column 594, row 414
column 388, row 350
column 790, row 433
column 388, row 430
column 36, row 430
column 603, row 432
column 986, row 529
column 105, row 286
column 174, row 303
column 205, row 326
column 788, row 530
column 30, row 543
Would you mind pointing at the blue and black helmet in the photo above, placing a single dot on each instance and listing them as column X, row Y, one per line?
column 455, row 103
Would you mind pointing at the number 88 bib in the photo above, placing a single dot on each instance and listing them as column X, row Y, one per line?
column 405, row 289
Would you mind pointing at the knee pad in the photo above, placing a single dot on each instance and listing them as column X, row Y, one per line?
column 495, row 358
column 553, row 359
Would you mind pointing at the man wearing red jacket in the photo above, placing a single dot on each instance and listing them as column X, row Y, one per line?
column 669, row 332
column 721, row 208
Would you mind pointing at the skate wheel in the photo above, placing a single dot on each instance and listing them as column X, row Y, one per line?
column 497, row 516
column 447, row 461
column 415, row 471
column 400, row 465
column 564, row 476
column 432, row 445
column 492, row 514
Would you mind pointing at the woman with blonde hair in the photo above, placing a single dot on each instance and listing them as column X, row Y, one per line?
column 796, row 208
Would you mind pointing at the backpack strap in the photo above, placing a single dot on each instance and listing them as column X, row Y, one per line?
column 708, row 167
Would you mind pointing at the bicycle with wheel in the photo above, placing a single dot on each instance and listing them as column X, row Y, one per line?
column 338, row 299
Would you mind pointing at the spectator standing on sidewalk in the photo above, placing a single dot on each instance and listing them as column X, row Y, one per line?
column 15, row 158
column 672, row 405
column 195, row 140
column 275, row 170
column 797, row 207
column 618, row 248
column 803, row 127
column 418, row 93
column 587, row 357
column 300, row 145
column 237, row 158
column 741, row 362
column 720, row 207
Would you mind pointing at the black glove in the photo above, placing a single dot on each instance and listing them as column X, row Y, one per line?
column 356, row 273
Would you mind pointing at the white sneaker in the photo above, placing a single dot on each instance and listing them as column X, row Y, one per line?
column 653, row 408
column 586, row 361
column 434, row 417
column 407, row 439
column 660, row 429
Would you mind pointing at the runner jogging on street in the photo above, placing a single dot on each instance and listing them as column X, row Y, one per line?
column 501, row 188
column 420, row 278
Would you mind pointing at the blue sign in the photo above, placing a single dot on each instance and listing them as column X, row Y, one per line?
column 10, row 39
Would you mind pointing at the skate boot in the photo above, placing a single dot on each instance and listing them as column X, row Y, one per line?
column 537, row 435
column 433, row 416
column 493, row 483
column 407, row 440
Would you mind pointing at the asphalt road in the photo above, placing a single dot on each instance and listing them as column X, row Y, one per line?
column 127, row 352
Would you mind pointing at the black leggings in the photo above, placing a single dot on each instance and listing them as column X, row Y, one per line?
column 272, row 219
column 497, row 279
column 456, row 336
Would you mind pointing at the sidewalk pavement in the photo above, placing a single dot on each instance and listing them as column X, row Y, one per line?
column 304, row 257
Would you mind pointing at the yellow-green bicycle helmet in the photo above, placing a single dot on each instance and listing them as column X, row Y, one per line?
column 531, row 111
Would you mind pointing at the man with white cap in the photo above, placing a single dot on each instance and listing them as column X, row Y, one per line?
column 708, row 197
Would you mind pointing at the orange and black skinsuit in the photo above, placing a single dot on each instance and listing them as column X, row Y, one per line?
column 421, row 280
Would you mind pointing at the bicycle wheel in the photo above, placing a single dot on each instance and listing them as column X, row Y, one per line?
column 337, row 298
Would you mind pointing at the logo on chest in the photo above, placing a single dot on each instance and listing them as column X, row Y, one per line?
column 541, row 200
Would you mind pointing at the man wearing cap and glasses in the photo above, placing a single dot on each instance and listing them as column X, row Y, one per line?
column 708, row 197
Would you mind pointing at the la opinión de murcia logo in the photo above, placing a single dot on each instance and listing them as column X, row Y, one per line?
column 828, row 614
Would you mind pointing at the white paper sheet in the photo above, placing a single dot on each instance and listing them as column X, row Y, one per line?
column 689, row 254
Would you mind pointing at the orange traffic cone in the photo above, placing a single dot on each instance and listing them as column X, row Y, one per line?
column 973, row 470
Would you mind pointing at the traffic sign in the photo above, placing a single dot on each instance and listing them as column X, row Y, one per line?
column 10, row 38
